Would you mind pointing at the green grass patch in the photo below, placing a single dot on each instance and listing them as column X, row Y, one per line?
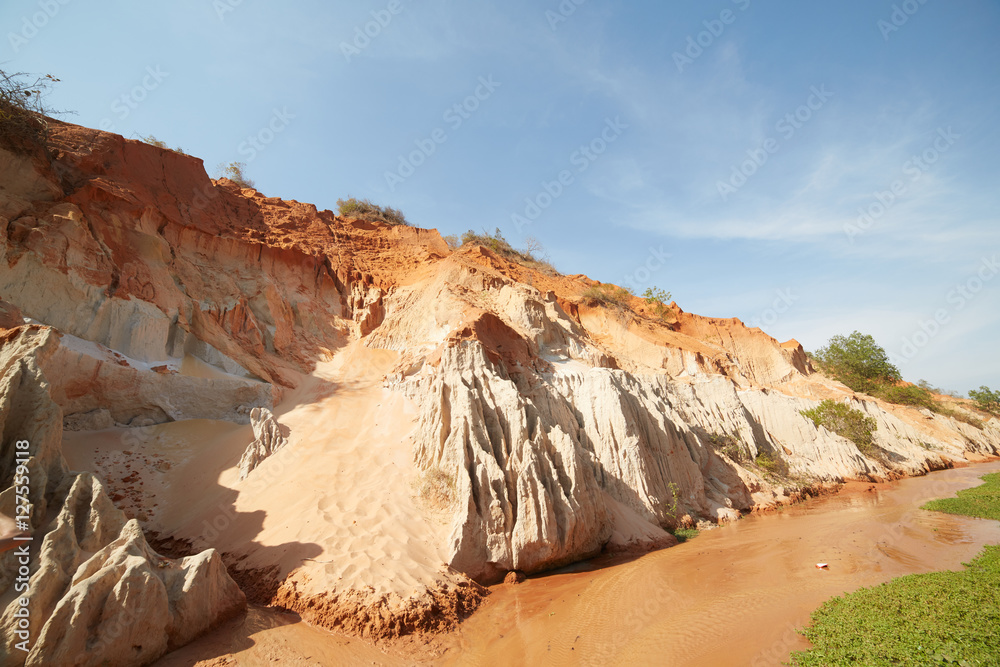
column 941, row 618
column 982, row 501
column 684, row 534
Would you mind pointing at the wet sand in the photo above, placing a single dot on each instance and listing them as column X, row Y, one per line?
column 731, row 596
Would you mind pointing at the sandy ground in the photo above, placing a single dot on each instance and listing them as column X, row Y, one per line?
column 265, row 637
column 338, row 505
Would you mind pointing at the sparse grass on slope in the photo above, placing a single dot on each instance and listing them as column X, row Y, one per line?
column 941, row 618
column 365, row 209
column 610, row 296
column 529, row 256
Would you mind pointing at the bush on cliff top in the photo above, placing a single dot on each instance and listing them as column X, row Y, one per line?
column 236, row 172
column 861, row 364
column 22, row 110
column 529, row 256
column 610, row 296
column 366, row 210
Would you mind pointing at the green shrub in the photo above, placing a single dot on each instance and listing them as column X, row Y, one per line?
column 365, row 209
column 23, row 126
column 986, row 399
column 495, row 242
column 658, row 300
column 773, row 463
column 727, row 444
column 921, row 397
column 905, row 395
column 675, row 500
column 846, row 422
column 858, row 361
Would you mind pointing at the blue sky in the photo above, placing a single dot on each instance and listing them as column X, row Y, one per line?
column 744, row 139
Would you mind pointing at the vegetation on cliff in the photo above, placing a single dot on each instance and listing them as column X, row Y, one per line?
column 847, row 422
column 863, row 365
column 986, row 400
column 365, row 209
column 23, row 110
column 529, row 256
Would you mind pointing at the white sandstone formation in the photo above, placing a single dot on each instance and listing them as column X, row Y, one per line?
column 267, row 439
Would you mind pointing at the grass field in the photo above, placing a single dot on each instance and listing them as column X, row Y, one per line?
column 941, row 618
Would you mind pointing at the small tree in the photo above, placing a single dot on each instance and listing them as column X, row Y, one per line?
column 657, row 299
column 986, row 399
column 858, row 361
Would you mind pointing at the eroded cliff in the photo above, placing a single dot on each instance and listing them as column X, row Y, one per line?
column 444, row 415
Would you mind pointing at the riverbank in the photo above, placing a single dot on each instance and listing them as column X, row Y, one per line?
column 734, row 595
column 926, row 619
